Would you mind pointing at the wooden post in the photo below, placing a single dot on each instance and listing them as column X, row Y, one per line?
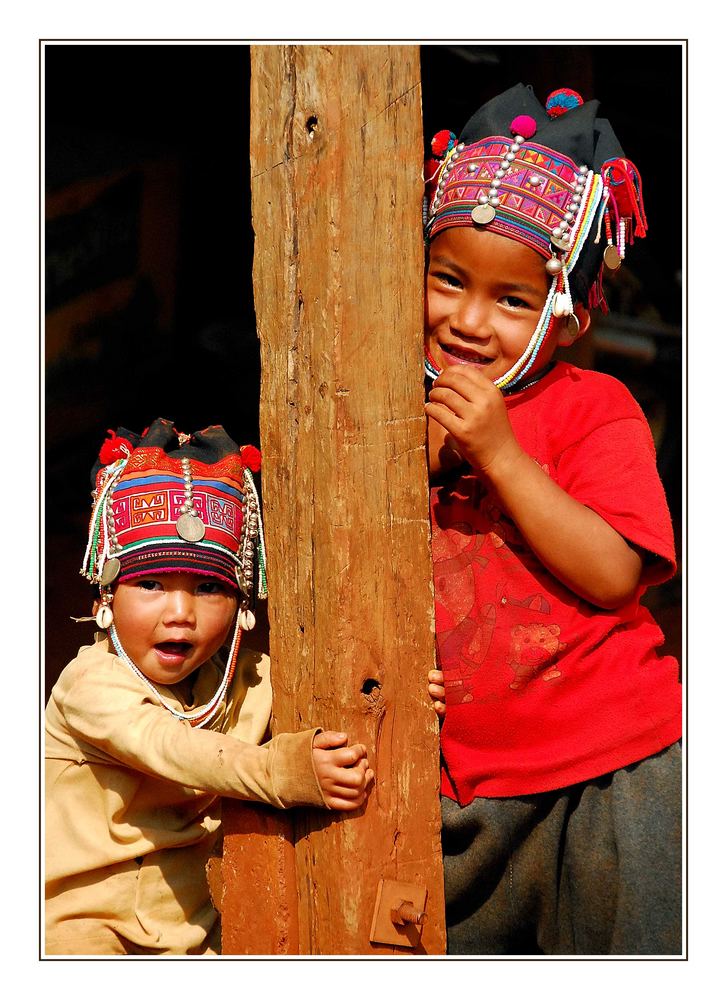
column 336, row 150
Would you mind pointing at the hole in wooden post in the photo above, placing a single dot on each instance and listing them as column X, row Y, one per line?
column 312, row 126
column 371, row 687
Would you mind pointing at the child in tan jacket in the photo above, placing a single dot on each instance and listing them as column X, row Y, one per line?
column 165, row 713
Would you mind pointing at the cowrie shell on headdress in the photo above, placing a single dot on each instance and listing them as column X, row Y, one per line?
column 247, row 620
column 561, row 305
column 104, row 617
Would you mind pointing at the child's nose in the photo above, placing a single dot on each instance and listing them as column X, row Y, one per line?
column 472, row 319
column 179, row 608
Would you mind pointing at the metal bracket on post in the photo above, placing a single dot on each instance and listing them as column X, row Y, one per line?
column 399, row 914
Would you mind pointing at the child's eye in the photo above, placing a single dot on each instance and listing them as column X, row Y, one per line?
column 210, row 587
column 146, row 584
column 514, row 302
column 446, row 279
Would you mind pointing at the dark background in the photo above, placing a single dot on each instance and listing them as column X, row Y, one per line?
column 149, row 255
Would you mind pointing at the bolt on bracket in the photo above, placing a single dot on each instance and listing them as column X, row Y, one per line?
column 399, row 914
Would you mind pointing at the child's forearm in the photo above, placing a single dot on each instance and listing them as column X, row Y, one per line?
column 131, row 730
column 573, row 542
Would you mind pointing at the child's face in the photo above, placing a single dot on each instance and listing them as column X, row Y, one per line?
column 171, row 623
column 485, row 294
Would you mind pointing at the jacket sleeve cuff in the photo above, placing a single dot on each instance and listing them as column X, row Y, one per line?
column 295, row 779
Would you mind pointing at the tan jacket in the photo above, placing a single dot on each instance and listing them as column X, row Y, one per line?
column 132, row 801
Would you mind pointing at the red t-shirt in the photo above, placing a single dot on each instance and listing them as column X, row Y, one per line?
column 544, row 689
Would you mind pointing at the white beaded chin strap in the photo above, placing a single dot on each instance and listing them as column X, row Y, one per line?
column 200, row 716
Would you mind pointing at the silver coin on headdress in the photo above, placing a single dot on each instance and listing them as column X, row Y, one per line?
column 111, row 569
column 611, row 258
column 190, row 527
column 482, row 214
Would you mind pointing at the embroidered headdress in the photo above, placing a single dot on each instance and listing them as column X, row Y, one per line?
column 553, row 178
column 167, row 502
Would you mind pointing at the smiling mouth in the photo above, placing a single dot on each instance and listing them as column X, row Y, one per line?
column 464, row 356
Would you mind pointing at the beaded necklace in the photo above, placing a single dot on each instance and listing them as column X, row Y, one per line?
column 201, row 716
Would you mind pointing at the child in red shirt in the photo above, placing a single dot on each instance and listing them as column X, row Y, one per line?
column 561, row 761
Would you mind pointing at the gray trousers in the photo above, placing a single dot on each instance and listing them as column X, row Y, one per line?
column 592, row 869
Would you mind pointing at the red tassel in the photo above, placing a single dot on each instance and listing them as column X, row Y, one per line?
column 114, row 447
column 251, row 457
column 431, row 169
column 624, row 182
column 596, row 298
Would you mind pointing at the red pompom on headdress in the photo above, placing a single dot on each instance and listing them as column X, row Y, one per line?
column 251, row 457
column 442, row 143
column 114, row 447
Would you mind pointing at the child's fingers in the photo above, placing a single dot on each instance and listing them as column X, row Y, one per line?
column 344, row 805
column 359, row 749
column 347, row 782
column 436, row 687
column 453, row 400
column 344, row 780
column 437, row 691
column 328, row 739
column 346, row 756
column 466, row 380
column 347, row 799
column 345, row 792
column 444, row 416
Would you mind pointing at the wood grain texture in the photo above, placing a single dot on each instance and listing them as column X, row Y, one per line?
column 336, row 150
column 254, row 885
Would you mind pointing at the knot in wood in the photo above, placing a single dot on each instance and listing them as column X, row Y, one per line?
column 371, row 689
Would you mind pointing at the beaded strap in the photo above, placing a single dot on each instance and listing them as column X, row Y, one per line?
column 200, row 716
column 93, row 560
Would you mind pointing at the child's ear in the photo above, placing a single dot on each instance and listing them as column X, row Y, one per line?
column 565, row 338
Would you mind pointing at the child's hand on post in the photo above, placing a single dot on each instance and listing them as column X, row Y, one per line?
column 472, row 411
column 436, row 691
column 343, row 772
